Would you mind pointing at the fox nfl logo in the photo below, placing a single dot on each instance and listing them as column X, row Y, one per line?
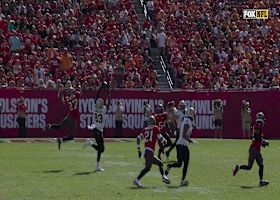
column 255, row 14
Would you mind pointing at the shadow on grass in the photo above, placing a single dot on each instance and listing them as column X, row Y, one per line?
column 140, row 188
column 173, row 186
column 53, row 171
column 84, row 173
column 248, row 187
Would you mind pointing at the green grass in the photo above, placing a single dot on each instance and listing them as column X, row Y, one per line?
column 40, row 171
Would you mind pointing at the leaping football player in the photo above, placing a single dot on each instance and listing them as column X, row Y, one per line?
column 255, row 149
column 161, row 122
column 97, row 128
column 70, row 97
column 150, row 134
column 183, row 153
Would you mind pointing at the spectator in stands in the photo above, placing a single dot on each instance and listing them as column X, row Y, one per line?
column 119, row 118
column 21, row 118
column 246, row 119
column 150, row 9
column 218, row 118
column 161, row 41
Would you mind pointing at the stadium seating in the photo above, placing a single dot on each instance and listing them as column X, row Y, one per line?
column 211, row 46
column 46, row 43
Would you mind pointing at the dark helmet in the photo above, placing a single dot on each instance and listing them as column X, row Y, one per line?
column 159, row 109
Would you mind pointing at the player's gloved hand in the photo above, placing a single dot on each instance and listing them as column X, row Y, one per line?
column 194, row 142
column 139, row 154
column 265, row 143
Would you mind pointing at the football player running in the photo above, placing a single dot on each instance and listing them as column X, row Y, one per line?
column 178, row 116
column 99, row 116
column 150, row 134
column 161, row 121
column 255, row 149
column 70, row 97
column 183, row 154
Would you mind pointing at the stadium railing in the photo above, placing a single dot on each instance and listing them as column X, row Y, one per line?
column 164, row 68
column 144, row 7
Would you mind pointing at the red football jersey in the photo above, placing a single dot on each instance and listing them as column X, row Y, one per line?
column 161, row 121
column 72, row 102
column 257, row 136
column 150, row 135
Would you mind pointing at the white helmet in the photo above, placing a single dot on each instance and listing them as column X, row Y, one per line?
column 260, row 117
column 191, row 113
column 182, row 105
column 99, row 103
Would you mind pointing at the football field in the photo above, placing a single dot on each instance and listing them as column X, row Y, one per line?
column 37, row 170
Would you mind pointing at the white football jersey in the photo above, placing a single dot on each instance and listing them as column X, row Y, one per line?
column 181, row 139
column 99, row 116
column 181, row 116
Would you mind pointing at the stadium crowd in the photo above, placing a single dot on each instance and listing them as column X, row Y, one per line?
column 45, row 43
column 206, row 44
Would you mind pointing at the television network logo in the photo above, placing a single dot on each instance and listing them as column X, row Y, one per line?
column 255, row 14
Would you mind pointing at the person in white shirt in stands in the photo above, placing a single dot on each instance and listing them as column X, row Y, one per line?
column 150, row 9
column 161, row 41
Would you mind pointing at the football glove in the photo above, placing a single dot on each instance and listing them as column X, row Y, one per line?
column 139, row 154
column 265, row 143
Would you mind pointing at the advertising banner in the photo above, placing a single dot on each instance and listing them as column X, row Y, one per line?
column 44, row 106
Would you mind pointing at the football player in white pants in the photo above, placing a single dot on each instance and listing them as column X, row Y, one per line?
column 183, row 154
column 99, row 115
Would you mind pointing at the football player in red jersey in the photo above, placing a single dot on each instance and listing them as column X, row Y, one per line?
column 161, row 121
column 255, row 149
column 70, row 97
column 150, row 134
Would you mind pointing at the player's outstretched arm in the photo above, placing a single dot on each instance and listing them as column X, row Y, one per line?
column 109, row 100
column 139, row 138
column 60, row 94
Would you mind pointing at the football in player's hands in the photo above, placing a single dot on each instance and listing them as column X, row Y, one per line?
column 139, row 154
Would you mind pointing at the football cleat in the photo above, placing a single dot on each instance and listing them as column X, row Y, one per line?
column 59, row 143
column 235, row 170
column 165, row 179
column 263, row 183
column 137, row 183
column 87, row 143
column 47, row 127
column 99, row 168
column 184, row 183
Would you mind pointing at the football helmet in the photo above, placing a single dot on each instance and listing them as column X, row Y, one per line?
column 151, row 120
column 68, row 84
column 69, row 91
column 260, row 117
column 159, row 109
column 191, row 113
column 99, row 103
column 182, row 105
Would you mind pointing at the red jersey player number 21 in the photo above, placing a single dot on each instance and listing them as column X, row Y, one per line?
column 150, row 135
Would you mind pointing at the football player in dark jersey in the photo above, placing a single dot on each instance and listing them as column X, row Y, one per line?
column 162, row 122
column 255, row 149
column 70, row 97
